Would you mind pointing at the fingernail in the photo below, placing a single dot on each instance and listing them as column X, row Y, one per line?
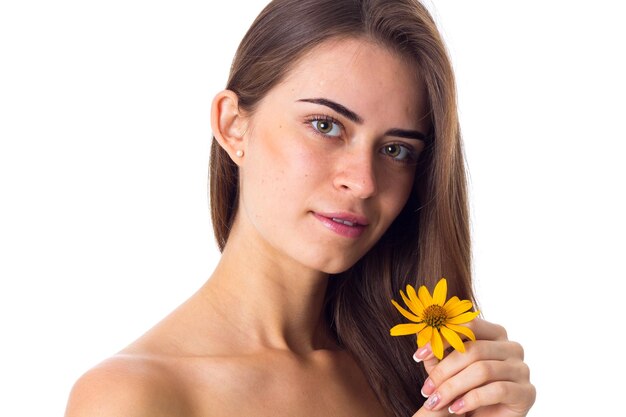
column 456, row 406
column 428, row 388
column 421, row 354
column 432, row 401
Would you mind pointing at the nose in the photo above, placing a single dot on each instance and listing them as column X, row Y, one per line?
column 357, row 174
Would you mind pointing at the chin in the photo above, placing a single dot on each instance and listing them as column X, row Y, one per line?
column 336, row 266
column 335, row 271
column 327, row 257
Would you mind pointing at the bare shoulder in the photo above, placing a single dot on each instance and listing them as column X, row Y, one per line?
column 168, row 371
column 130, row 386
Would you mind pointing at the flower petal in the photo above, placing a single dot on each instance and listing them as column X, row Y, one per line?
column 451, row 302
column 406, row 328
column 452, row 338
column 437, row 344
column 424, row 336
column 465, row 331
column 463, row 318
column 441, row 292
column 405, row 313
column 424, row 296
column 415, row 300
column 460, row 307
column 418, row 312
column 405, row 299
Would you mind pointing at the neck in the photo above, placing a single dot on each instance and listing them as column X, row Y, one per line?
column 269, row 301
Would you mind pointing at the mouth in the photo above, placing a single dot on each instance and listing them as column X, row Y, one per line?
column 344, row 224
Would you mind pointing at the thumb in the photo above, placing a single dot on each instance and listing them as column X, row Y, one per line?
column 427, row 357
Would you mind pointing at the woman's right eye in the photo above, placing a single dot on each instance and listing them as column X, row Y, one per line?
column 326, row 127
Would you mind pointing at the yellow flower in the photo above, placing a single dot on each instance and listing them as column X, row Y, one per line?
column 434, row 317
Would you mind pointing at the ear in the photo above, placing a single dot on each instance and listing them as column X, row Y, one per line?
column 229, row 124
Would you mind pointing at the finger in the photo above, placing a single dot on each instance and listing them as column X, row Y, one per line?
column 485, row 330
column 426, row 355
column 482, row 329
column 475, row 352
column 477, row 375
column 515, row 398
column 423, row 412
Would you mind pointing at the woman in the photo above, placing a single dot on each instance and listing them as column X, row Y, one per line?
column 337, row 178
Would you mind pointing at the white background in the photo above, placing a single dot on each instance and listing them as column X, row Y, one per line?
column 104, row 221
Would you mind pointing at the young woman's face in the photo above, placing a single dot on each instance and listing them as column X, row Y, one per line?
column 330, row 154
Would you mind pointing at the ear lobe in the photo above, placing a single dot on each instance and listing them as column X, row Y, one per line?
column 229, row 124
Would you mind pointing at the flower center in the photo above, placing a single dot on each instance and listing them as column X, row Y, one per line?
column 435, row 316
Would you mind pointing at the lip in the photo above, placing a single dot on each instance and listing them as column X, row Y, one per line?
column 353, row 231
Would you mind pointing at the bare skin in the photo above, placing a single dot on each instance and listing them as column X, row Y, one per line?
column 252, row 340
column 172, row 371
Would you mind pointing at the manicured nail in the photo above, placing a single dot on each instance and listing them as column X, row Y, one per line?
column 421, row 354
column 416, row 359
column 456, row 406
column 432, row 401
column 428, row 388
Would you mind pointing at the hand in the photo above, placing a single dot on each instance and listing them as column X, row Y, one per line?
column 489, row 380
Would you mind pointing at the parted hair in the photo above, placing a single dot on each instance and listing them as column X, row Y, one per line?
column 430, row 237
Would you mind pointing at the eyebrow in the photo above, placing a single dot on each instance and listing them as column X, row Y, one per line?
column 344, row 111
column 349, row 114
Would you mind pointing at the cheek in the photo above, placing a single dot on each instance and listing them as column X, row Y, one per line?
column 281, row 166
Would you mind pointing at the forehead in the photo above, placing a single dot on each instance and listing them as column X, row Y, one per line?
column 370, row 79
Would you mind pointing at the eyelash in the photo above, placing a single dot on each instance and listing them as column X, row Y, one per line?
column 412, row 157
column 410, row 160
column 322, row 118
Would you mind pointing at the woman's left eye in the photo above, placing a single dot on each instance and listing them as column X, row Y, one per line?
column 326, row 127
column 399, row 153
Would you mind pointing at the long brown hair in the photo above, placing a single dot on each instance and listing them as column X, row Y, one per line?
column 429, row 239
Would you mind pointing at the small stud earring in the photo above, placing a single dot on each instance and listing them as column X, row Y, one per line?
column 239, row 153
